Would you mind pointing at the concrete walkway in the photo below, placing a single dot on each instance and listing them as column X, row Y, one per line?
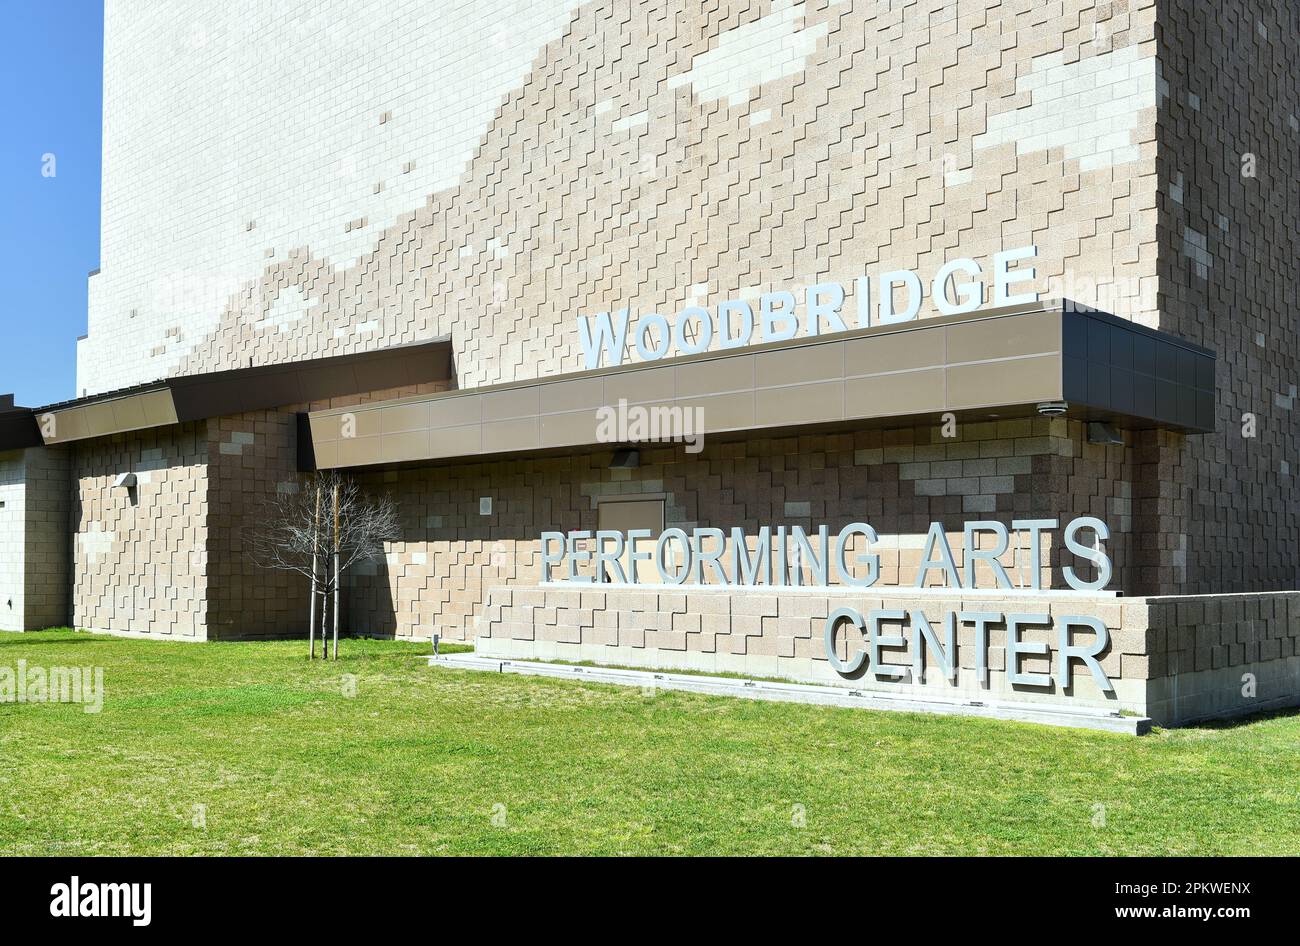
column 803, row 693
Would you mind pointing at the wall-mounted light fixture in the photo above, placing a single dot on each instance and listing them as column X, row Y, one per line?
column 626, row 459
column 1104, row 434
column 124, row 481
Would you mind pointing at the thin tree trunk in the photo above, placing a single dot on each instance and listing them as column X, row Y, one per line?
column 337, row 576
column 315, row 560
column 325, row 613
column 311, row 620
column 336, row 606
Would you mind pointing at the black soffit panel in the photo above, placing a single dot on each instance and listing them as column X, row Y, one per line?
column 1115, row 365
column 18, row 429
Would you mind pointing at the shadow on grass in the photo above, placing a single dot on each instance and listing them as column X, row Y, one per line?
column 29, row 639
column 1236, row 722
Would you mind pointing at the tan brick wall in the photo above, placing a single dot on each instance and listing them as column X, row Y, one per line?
column 251, row 459
column 48, row 571
column 657, row 153
column 899, row 481
column 140, row 558
column 1229, row 278
column 662, row 153
column 174, row 558
column 1221, row 654
column 1214, row 632
column 778, row 633
column 1174, row 659
column 33, row 539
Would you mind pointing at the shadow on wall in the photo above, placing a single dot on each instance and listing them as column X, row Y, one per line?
column 368, row 609
column 434, row 578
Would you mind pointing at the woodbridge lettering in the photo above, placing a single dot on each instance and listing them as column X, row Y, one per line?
column 779, row 556
column 818, row 310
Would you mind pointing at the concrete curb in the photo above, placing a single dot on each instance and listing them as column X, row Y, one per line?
column 804, row 693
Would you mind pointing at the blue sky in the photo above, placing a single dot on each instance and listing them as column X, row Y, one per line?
column 51, row 79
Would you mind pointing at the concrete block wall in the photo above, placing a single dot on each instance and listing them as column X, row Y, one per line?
column 1229, row 279
column 13, row 505
column 48, row 543
column 140, row 556
column 34, row 543
column 172, row 557
column 781, row 633
column 337, row 176
column 252, row 459
column 297, row 134
column 436, row 578
column 1221, row 655
column 1176, row 660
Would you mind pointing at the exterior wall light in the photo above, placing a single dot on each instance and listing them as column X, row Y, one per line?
column 1104, row 433
column 124, row 481
column 625, row 460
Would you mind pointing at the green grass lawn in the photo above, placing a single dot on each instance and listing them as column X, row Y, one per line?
column 438, row 761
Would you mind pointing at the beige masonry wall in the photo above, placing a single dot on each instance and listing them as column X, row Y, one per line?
column 253, row 458
column 173, row 557
column 47, row 582
column 436, row 578
column 140, row 556
column 33, row 539
column 349, row 177
column 12, row 562
column 1173, row 659
column 342, row 177
column 781, row 633
column 1228, row 513
column 1221, row 655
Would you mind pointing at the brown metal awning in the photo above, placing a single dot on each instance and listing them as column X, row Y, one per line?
column 999, row 363
column 196, row 397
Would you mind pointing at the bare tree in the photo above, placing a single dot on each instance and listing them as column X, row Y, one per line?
column 320, row 532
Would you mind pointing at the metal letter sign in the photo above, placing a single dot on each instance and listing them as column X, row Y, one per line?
column 788, row 556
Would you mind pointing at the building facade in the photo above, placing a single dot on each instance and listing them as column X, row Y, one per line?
column 1041, row 261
